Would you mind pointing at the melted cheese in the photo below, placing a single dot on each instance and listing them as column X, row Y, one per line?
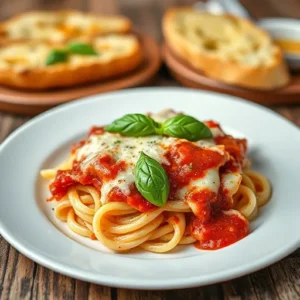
column 231, row 182
column 31, row 56
column 58, row 26
column 127, row 149
column 211, row 181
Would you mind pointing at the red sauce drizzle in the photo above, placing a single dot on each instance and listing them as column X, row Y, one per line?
column 236, row 148
column 187, row 162
column 134, row 199
column 102, row 168
column 220, row 232
column 96, row 130
column 77, row 146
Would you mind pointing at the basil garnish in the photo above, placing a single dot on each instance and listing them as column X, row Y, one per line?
column 80, row 48
column 56, row 56
column 133, row 125
column 186, row 127
column 181, row 126
column 151, row 180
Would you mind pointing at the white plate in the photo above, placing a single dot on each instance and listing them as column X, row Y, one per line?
column 25, row 220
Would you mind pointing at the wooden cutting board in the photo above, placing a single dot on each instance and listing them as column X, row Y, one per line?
column 33, row 102
column 190, row 77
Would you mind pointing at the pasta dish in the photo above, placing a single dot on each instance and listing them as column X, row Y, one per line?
column 157, row 181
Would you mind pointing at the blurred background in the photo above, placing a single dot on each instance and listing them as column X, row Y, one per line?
column 146, row 14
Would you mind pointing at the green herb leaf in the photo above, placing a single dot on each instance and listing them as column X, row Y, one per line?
column 151, row 180
column 80, row 48
column 56, row 56
column 133, row 125
column 186, row 127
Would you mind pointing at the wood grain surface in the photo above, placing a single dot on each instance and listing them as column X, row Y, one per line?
column 20, row 278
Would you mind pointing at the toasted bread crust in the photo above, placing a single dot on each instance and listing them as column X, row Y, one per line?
column 264, row 77
column 65, row 75
column 5, row 38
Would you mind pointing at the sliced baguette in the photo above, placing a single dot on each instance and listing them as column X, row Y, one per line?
column 23, row 64
column 58, row 26
column 226, row 48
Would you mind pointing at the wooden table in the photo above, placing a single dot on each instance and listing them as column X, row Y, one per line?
column 21, row 278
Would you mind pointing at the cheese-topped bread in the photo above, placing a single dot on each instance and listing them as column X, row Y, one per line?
column 226, row 48
column 24, row 64
column 57, row 26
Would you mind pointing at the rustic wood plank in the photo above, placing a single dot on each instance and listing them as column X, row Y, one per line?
column 81, row 290
column 18, row 277
column 42, row 284
column 9, row 8
column 10, row 273
column 263, row 285
column 125, row 294
column 99, row 291
column 273, row 8
column 103, row 6
column 4, row 251
column 210, row 292
column 8, row 123
column 51, row 285
column 57, row 4
column 235, row 289
column 290, row 113
column 285, row 276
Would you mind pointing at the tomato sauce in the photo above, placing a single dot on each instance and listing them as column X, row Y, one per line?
column 187, row 162
column 103, row 168
column 77, row 146
column 236, row 148
column 134, row 199
column 221, row 231
column 203, row 203
column 213, row 228
column 96, row 130
column 213, row 124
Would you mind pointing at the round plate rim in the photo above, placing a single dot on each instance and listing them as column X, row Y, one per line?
column 131, row 283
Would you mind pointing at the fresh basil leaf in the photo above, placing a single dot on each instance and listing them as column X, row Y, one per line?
column 151, row 180
column 186, row 127
column 133, row 125
column 56, row 56
column 82, row 49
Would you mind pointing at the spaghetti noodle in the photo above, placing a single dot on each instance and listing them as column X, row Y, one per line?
column 213, row 191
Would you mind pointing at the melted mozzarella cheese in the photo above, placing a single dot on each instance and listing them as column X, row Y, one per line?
column 123, row 148
column 216, row 131
column 24, row 56
column 128, row 149
column 231, row 182
column 210, row 180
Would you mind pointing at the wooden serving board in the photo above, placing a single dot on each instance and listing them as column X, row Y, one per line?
column 190, row 77
column 33, row 102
